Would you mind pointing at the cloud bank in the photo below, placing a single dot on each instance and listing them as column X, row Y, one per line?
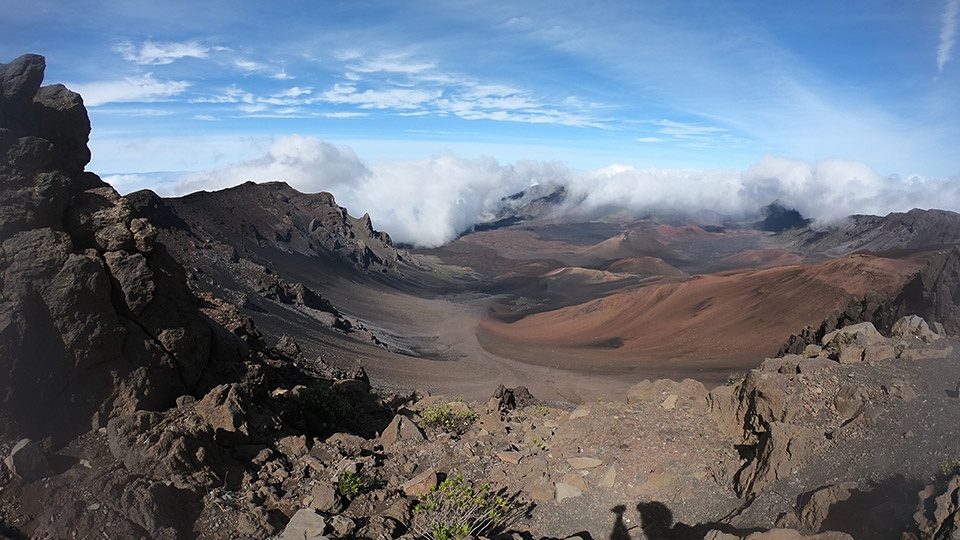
column 430, row 202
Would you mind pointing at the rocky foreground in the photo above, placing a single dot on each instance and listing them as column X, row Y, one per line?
column 133, row 407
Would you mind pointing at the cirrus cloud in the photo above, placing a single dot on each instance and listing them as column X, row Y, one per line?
column 948, row 33
column 139, row 89
column 160, row 53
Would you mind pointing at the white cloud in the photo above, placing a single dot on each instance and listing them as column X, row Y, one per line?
column 231, row 94
column 248, row 65
column 144, row 112
column 294, row 92
column 395, row 63
column 829, row 190
column 430, row 202
column 151, row 53
column 682, row 130
column 141, row 89
column 343, row 114
column 252, row 108
column 410, row 86
column 252, row 66
column 303, row 162
column 204, row 117
column 389, row 98
column 128, row 183
column 948, row 33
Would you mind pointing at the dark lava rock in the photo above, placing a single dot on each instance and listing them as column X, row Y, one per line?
column 96, row 319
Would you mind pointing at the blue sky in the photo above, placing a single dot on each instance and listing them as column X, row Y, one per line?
column 175, row 87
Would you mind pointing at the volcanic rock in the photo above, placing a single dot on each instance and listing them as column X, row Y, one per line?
column 96, row 319
column 306, row 524
column 400, row 428
column 913, row 327
column 849, row 344
column 27, row 461
column 513, row 398
column 938, row 513
column 420, row 484
column 816, row 507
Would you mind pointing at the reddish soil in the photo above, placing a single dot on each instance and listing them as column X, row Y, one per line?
column 762, row 258
column 644, row 266
column 704, row 327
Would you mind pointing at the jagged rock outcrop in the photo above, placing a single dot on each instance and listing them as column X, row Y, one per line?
column 938, row 512
column 933, row 294
column 96, row 319
column 779, row 415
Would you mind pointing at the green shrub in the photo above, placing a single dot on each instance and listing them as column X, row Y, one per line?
column 454, row 510
column 322, row 403
column 351, row 484
column 447, row 418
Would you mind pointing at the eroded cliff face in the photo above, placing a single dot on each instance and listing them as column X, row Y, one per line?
column 95, row 317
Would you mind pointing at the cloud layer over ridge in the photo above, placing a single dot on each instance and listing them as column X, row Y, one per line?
column 430, row 202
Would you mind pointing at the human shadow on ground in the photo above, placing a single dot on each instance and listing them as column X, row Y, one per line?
column 656, row 523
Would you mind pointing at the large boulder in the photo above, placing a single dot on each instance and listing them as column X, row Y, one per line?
column 913, row 327
column 850, row 344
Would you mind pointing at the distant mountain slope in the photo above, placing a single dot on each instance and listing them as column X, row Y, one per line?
column 899, row 230
column 298, row 263
column 276, row 216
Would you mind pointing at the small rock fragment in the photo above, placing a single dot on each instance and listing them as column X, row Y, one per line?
column 584, row 462
column 306, row 523
column 420, row 484
column 566, row 491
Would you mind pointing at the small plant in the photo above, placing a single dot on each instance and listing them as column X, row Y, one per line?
column 540, row 443
column 453, row 510
column 351, row 484
column 322, row 402
column 447, row 418
column 949, row 468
